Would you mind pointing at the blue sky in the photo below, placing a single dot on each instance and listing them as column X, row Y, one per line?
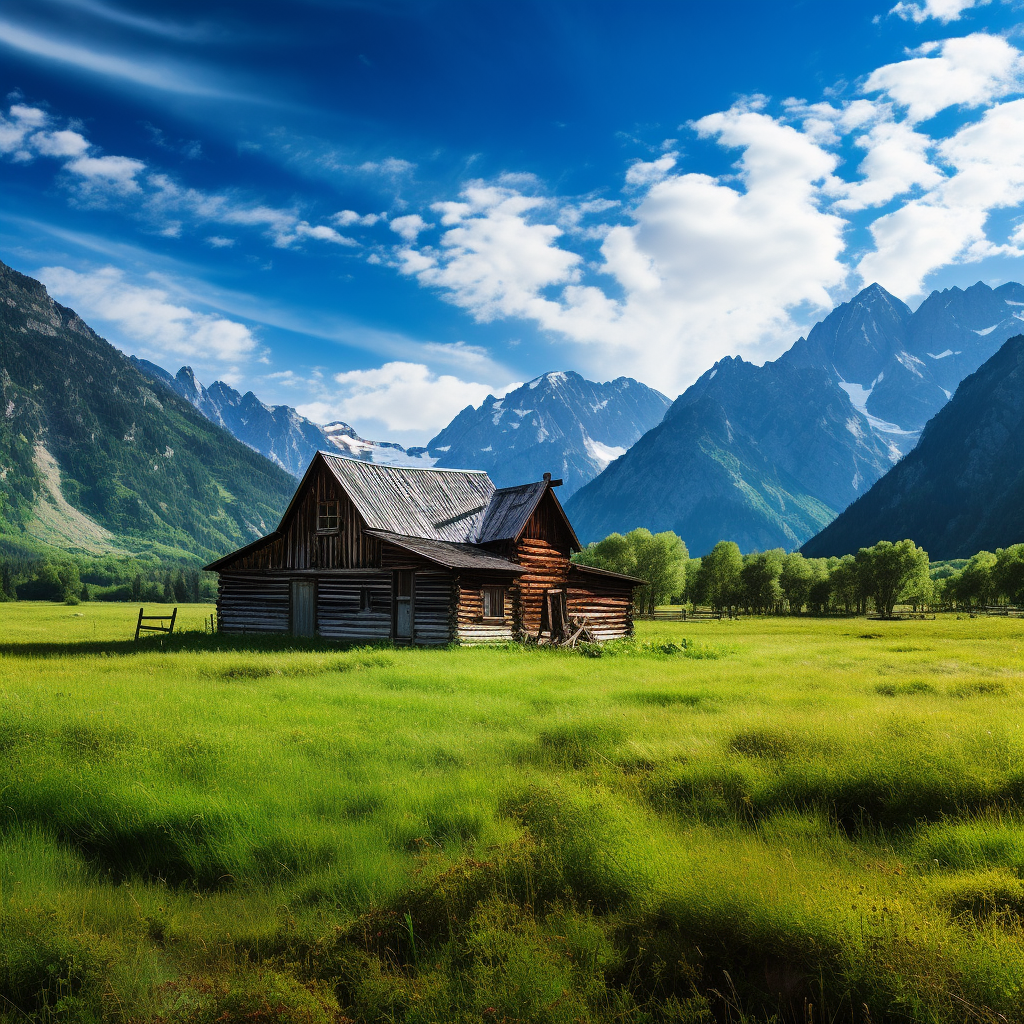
column 381, row 211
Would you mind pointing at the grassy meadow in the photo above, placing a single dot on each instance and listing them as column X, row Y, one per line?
column 792, row 819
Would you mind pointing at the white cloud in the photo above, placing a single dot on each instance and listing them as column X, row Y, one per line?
column 220, row 242
column 390, row 165
column 493, row 261
column 971, row 71
column 60, row 143
column 948, row 223
column 153, row 74
column 117, row 172
column 15, row 128
column 146, row 319
column 284, row 227
column 704, row 265
column 409, row 226
column 402, row 396
column 641, row 173
column 942, row 10
column 896, row 162
column 345, row 218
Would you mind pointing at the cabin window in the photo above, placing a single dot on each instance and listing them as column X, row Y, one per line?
column 494, row 603
column 327, row 516
column 365, row 600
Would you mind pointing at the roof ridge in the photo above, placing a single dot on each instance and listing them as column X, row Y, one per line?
column 414, row 469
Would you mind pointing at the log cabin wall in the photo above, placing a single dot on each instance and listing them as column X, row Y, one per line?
column 607, row 606
column 433, row 597
column 253, row 602
column 543, row 549
column 354, row 605
column 469, row 625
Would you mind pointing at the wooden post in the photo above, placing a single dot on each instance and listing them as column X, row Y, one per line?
column 139, row 625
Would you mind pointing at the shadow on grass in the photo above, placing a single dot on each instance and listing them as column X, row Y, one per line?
column 195, row 640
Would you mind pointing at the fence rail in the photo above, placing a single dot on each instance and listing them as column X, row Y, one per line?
column 155, row 618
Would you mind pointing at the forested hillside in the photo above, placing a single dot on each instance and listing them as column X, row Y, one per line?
column 92, row 459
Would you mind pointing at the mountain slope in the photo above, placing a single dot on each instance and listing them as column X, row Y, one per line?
column 831, row 415
column 558, row 423
column 961, row 490
column 760, row 455
column 91, row 457
column 276, row 431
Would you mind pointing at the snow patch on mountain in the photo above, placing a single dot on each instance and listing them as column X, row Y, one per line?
column 602, row 453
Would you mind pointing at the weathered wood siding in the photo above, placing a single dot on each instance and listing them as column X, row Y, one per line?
column 470, row 627
column 433, row 605
column 606, row 605
column 253, row 602
column 338, row 605
column 302, row 547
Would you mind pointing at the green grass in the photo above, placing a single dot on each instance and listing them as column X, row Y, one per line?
column 789, row 813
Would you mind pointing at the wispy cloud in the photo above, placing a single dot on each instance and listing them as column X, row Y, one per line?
column 153, row 74
column 152, row 26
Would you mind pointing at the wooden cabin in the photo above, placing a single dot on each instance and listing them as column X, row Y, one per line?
column 419, row 556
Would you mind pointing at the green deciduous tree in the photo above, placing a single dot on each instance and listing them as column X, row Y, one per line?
column 659, row 559
column 1008, row 573
column 892, row 570
column 718, row 581
column 759, row 580
column 796, row 579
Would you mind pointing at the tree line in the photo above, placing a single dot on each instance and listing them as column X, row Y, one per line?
column 777, row 582
column 51, row 575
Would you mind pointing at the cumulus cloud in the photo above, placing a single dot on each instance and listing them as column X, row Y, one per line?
column 345, row 218
column 693, row 266
column 116, row 172
column 409, row 226
column 402, row 396
column 702, row 264
column 942, row 10
column 948, row 223
column 971, row 71
column 145, row 317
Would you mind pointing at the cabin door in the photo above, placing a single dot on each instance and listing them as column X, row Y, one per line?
column 403, row 604
column 303, row 608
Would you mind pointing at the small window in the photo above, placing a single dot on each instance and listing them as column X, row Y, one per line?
column 327, row 517
column 494, row 602
column 365, row 600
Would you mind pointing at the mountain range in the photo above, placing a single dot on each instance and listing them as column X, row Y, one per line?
column 99, row 451
column 767, row 456
column 276, row 431
column 558, row 423
column 92, row 458
column 961, row 490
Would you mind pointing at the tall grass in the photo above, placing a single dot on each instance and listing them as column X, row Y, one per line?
column 812, row 820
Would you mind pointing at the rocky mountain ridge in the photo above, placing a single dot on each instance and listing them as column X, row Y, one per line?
column 558, row 423
column 961, row 490
column 277, row 431
column 812, row 430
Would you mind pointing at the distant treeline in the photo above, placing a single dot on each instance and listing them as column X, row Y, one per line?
column 776, row 583
column 46, row 574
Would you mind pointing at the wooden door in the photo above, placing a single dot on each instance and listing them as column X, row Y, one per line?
column 403, row 604
column 303, row 608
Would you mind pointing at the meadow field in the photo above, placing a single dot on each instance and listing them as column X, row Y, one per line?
column 788, row 818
